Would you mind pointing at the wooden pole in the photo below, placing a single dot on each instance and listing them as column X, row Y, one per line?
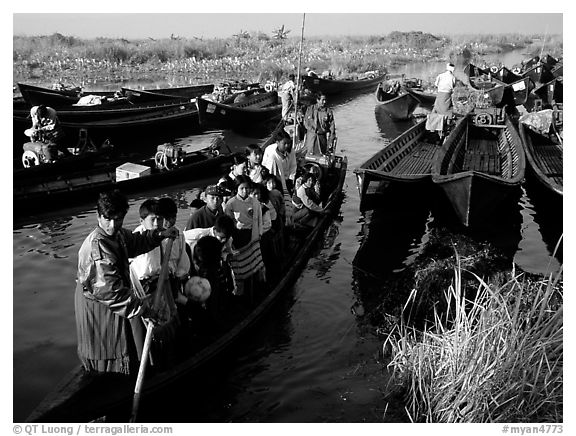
column 298, row 84
column 160, row 290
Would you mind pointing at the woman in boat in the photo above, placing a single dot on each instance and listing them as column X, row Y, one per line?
column 246, row 212
column 238, row 169
column 307, row 201
column 280, row 160
column 104, row 301
column 320, row 128
column 254, row 168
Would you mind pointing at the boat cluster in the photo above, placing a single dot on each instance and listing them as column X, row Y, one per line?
column 502, row 122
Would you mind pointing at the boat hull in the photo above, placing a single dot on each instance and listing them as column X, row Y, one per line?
column 398, row 107
column 258, row 109
column 480, row 170
column 332, row 87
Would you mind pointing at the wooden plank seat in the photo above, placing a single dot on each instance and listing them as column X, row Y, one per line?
column 419, row 161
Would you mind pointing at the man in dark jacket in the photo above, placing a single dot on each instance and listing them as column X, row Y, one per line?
column 104, row 300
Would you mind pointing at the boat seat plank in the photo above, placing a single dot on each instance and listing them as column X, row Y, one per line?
column 419, row 161
column 482, row 155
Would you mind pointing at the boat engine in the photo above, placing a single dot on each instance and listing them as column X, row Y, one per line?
column 36, row 153
column 168, row 156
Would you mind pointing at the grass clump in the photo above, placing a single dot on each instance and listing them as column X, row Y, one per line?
column 495, row 357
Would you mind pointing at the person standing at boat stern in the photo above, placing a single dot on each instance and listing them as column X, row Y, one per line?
column 320, row 127
column 445, row 83
column 287, row 95
column 104, row 300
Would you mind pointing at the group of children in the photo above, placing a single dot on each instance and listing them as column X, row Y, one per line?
column 233, row 243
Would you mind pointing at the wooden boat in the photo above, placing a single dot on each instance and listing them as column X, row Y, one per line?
column 507, row 76
column 37, row 95
column 185, row 92
column 196, row 158
column 520, row 90
column 558, row 70
column 399, row 105
column 545, row 159
column 82, row 397
column 550, row 93
column 405, row 162
column 334, row 86
column 480, row 169
column 80, row 114
column 539, row 74
column 257, row 108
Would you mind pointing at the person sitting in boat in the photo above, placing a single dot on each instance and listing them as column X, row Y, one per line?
column 320, row 128
column 306, row 201
column 310, row 72
column 254, row 168
column 222, row 230
column 207, row 214
column 46, row 128
column 104, row 301
column 247, row 213
column 276, row 198
column 280, row 160
column 445, row 83
column 241, row 97
column 287, row 95
column 238, row 168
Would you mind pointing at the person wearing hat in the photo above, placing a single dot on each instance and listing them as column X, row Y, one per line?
column 206, row 215
column 445, row 83
column 287, row 95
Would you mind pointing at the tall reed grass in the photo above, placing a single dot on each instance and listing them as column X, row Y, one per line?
column 496, row 357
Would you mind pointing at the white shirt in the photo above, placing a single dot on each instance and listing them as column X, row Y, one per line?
column 148, row 265
column 445, row 82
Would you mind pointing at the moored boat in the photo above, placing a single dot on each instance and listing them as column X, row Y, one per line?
column 336, row 86
column 177, row 91
column 545, row 159
column 255, row 109
column 405, row 162
column 198, row 157
column 37, row 95
column 82, row 397
column 399, row 105
column 480, row 169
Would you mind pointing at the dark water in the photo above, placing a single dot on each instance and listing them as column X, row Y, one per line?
column 315, row 357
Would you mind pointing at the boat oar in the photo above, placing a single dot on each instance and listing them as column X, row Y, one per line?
column 150, row 332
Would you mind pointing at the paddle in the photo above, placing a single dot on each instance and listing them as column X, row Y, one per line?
column 150, row 331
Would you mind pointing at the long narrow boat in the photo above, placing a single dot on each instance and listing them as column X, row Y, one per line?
column 545, row 159
column 188, row 92
column 257, row 108
column 480, row 169
column 333, row 86
column 399, row 105
column 82, row 397
column 405, row 162
column 37, row 95
column 77, row 114
column 184, row 162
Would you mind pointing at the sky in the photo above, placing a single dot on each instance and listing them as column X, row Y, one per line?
column 211, row 25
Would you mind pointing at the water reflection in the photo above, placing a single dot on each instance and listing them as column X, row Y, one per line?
column 390, row 128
